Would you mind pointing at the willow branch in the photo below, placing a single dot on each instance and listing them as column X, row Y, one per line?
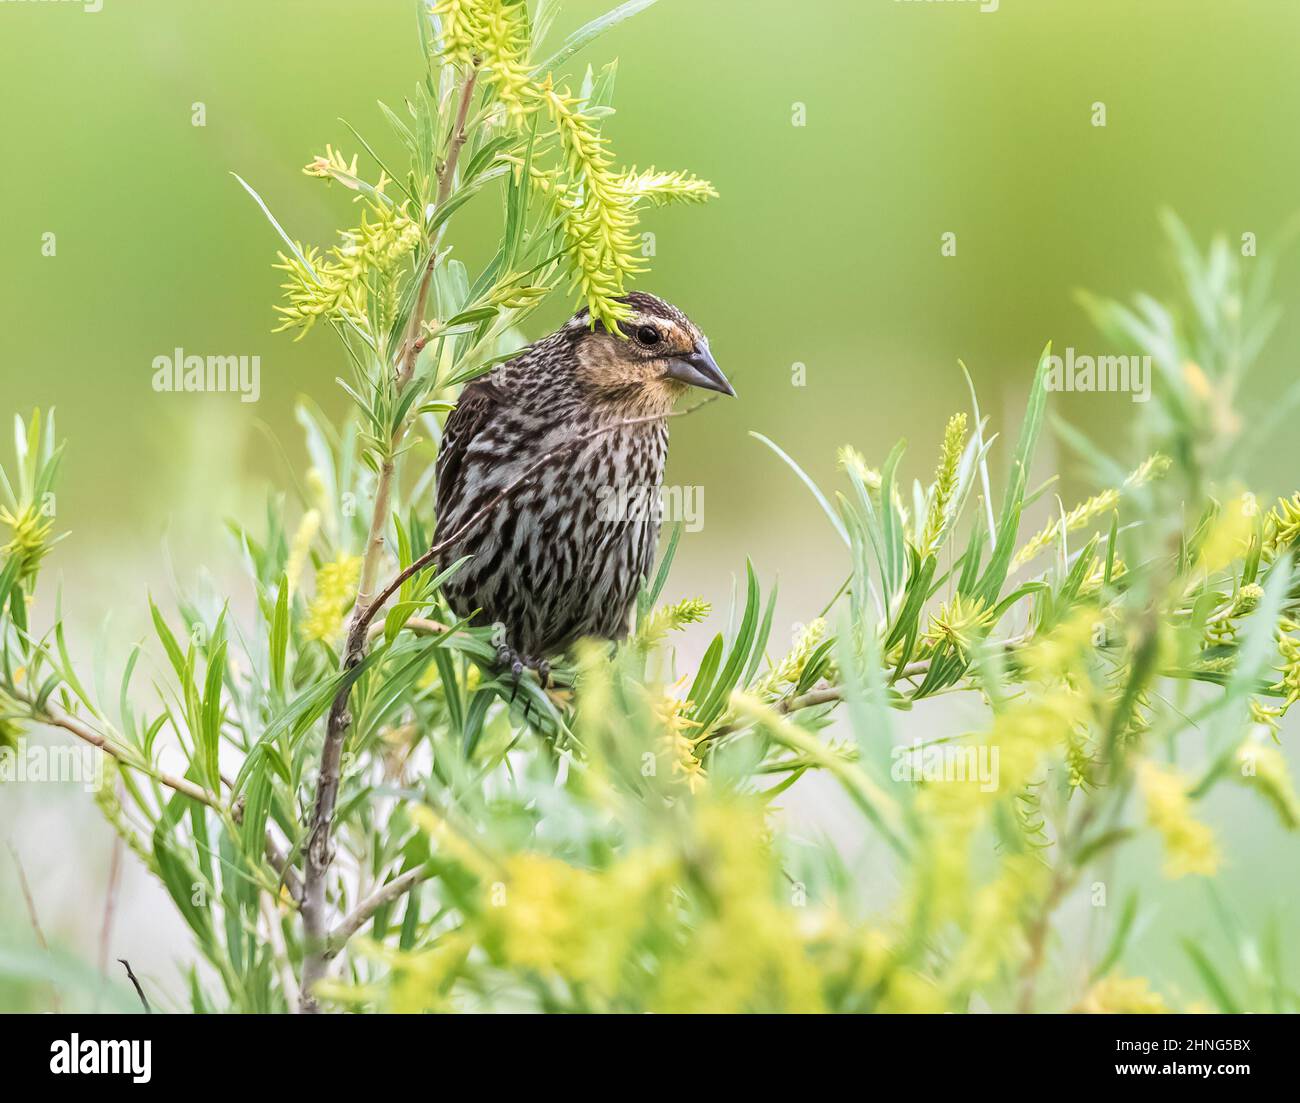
column 33, row 917
column 421, row 625
column 54, row 716
column 319, row 850
column 446, row 174
column 362, row 913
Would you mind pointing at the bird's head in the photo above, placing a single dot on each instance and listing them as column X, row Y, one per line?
column 660, row 353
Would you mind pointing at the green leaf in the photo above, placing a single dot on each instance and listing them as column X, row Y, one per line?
column 891, row 526
column 1013, row 500
column 588, row 33
column 707, row 669
column 279, row 639
column 209, row 734
column 719, row 693
column 1214, row 983
column 169, row 643
column 292, row 245
column 665, row 565
column 812, row 486
column 760, row 642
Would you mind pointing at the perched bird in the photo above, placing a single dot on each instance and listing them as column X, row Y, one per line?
column 563, row 556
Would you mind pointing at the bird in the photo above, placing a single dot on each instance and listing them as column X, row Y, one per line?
column 566, row 443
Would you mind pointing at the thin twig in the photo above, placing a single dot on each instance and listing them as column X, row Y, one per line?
column 138, row 990
column 362, row 913
column 1064, row 877
column 280, row 863
column 416, row 624
column 110, row 901
column 54, row 716
column 33, row 918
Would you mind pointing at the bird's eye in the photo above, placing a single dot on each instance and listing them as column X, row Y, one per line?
column 648, row 335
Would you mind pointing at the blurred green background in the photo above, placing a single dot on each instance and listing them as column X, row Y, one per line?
column 823, row 250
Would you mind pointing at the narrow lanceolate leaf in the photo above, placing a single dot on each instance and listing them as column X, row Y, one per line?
column 589, row 32
column 707, row 669
column 1214, row 983
column 760, row 642
column 894, row 566
column 209, row 734
column 279, row 640
column 8, row 574
column 292, row 245
column 729, row 675
column 173, row 649
column 665, row 565
column 812, row 486
column 1013, row 500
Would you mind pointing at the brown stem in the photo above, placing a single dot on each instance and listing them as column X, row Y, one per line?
column 139, row 990
column 362, row 913
column 1063, row 879
column 319, row 852
column 110, row 901
column 446, row 173
column 1038, row 931
column 56, row 717
column 34, row 918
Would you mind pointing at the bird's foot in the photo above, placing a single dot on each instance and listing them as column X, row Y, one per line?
column 508, row 661
column 511, row 663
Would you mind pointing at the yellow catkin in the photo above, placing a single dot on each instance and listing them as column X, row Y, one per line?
column 1189, row 844
column 945, row 482
column 300, row 547
column 1263, row 767
column 336, row 587
column 335, row 284
column 1153, row 467
column 1120, row 995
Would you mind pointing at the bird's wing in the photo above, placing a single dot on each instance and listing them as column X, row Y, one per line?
column 472, row 413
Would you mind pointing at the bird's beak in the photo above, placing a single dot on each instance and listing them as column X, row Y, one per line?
column 699, row 369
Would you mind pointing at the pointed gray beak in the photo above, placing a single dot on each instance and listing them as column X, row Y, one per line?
column 699, row 369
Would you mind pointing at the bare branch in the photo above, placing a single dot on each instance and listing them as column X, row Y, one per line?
column 110, row 901
column 55, row 716
column 33, row 918
column 139, row 991
column 362, row 913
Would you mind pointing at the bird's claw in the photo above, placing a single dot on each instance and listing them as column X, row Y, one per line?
column 509, row 661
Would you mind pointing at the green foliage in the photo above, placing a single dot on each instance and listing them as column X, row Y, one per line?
column 617, row 843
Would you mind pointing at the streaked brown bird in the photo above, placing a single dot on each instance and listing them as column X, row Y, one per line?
column 564, row 555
